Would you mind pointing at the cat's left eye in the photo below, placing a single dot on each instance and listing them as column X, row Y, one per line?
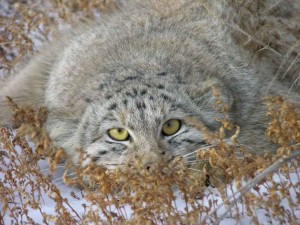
column 118, row 134
column 171, row 127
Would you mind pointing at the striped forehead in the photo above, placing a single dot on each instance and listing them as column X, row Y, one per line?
column 141, row 107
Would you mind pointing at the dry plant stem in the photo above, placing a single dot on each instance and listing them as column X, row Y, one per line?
column 251, row 38
column 250, row 185
column 271, row 7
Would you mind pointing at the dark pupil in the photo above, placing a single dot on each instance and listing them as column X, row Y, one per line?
column 120, row 130
column 169, row 124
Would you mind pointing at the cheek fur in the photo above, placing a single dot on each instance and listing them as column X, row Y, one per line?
column 103, row 153
column 187, row 141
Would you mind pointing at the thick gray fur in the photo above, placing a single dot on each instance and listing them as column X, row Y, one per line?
column 148, row 62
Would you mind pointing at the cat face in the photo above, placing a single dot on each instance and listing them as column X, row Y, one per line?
column 141, row 123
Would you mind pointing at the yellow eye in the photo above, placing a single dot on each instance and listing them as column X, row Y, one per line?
column 118, row 134
column 171, row 127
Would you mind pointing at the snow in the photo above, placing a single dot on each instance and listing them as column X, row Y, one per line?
column 48, row 205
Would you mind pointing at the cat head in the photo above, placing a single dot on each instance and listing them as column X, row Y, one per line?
column 144, row 123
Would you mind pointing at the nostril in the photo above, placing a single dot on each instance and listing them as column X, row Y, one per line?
column 148, row 166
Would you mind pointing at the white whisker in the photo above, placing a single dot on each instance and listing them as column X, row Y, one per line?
column 201, row 148
column 190, row 163
column 113, row 164
column 195, row 161
column 190, row 157
column 193, row 147
column 196, row 170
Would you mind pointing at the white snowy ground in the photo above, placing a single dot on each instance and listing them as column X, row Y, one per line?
column 48, row 205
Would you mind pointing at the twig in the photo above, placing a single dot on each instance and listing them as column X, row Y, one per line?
column 237, row 28
column 271, row 7
column 250, row 185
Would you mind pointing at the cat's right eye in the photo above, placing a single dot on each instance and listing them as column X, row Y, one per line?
column 118, row 134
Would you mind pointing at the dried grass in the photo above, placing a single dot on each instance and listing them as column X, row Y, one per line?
column 150, row 197
column 26, row 24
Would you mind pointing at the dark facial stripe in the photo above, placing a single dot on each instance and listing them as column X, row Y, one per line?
column 188, row 141
column 131, row 78
column 140, row 105
column 118, row 150
column 143, row 92
column 161, row 74
column 102, row 152
column 112, row 106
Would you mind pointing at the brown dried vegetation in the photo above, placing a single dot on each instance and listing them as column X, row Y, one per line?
column 21, row 22
column 150, row 197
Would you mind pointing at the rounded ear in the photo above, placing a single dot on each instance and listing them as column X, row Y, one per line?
column 208, row 94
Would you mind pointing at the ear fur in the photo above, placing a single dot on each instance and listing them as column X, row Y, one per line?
column 206, row 94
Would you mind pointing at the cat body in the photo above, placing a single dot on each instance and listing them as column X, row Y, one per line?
column 146, row 64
